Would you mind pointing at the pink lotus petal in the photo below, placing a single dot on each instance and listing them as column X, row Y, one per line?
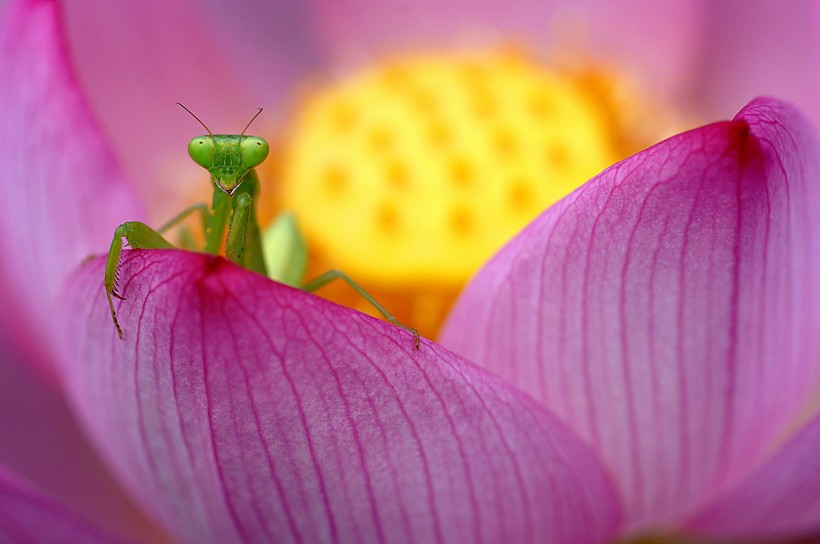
column 781, row 499
column 238, row 409
column 65, row 190
column 42, row 442
column 27, row 516
column 668, row 310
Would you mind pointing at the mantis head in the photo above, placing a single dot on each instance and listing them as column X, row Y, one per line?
column 228, row 157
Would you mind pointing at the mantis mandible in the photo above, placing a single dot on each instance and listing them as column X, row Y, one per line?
column 231, row 160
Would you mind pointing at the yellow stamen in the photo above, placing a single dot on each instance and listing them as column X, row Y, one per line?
column 411, row 174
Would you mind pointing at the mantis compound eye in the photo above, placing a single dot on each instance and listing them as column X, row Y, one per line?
column 254, row 151
column 201, row 150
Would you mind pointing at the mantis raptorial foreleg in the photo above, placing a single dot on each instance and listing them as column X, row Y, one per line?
column 139, row 236
column 237, row 233
column 333, row 275
column 244, row 218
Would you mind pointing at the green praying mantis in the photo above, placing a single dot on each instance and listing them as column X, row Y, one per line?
column 231, row 160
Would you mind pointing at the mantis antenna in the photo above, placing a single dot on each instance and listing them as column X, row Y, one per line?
column 206, row 126
column 249, row 122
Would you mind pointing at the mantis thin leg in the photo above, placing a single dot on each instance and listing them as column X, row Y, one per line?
column 202, row 208
column 139, row 236
column 332, row 275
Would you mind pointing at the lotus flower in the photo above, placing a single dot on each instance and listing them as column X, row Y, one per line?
column 647, row 351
